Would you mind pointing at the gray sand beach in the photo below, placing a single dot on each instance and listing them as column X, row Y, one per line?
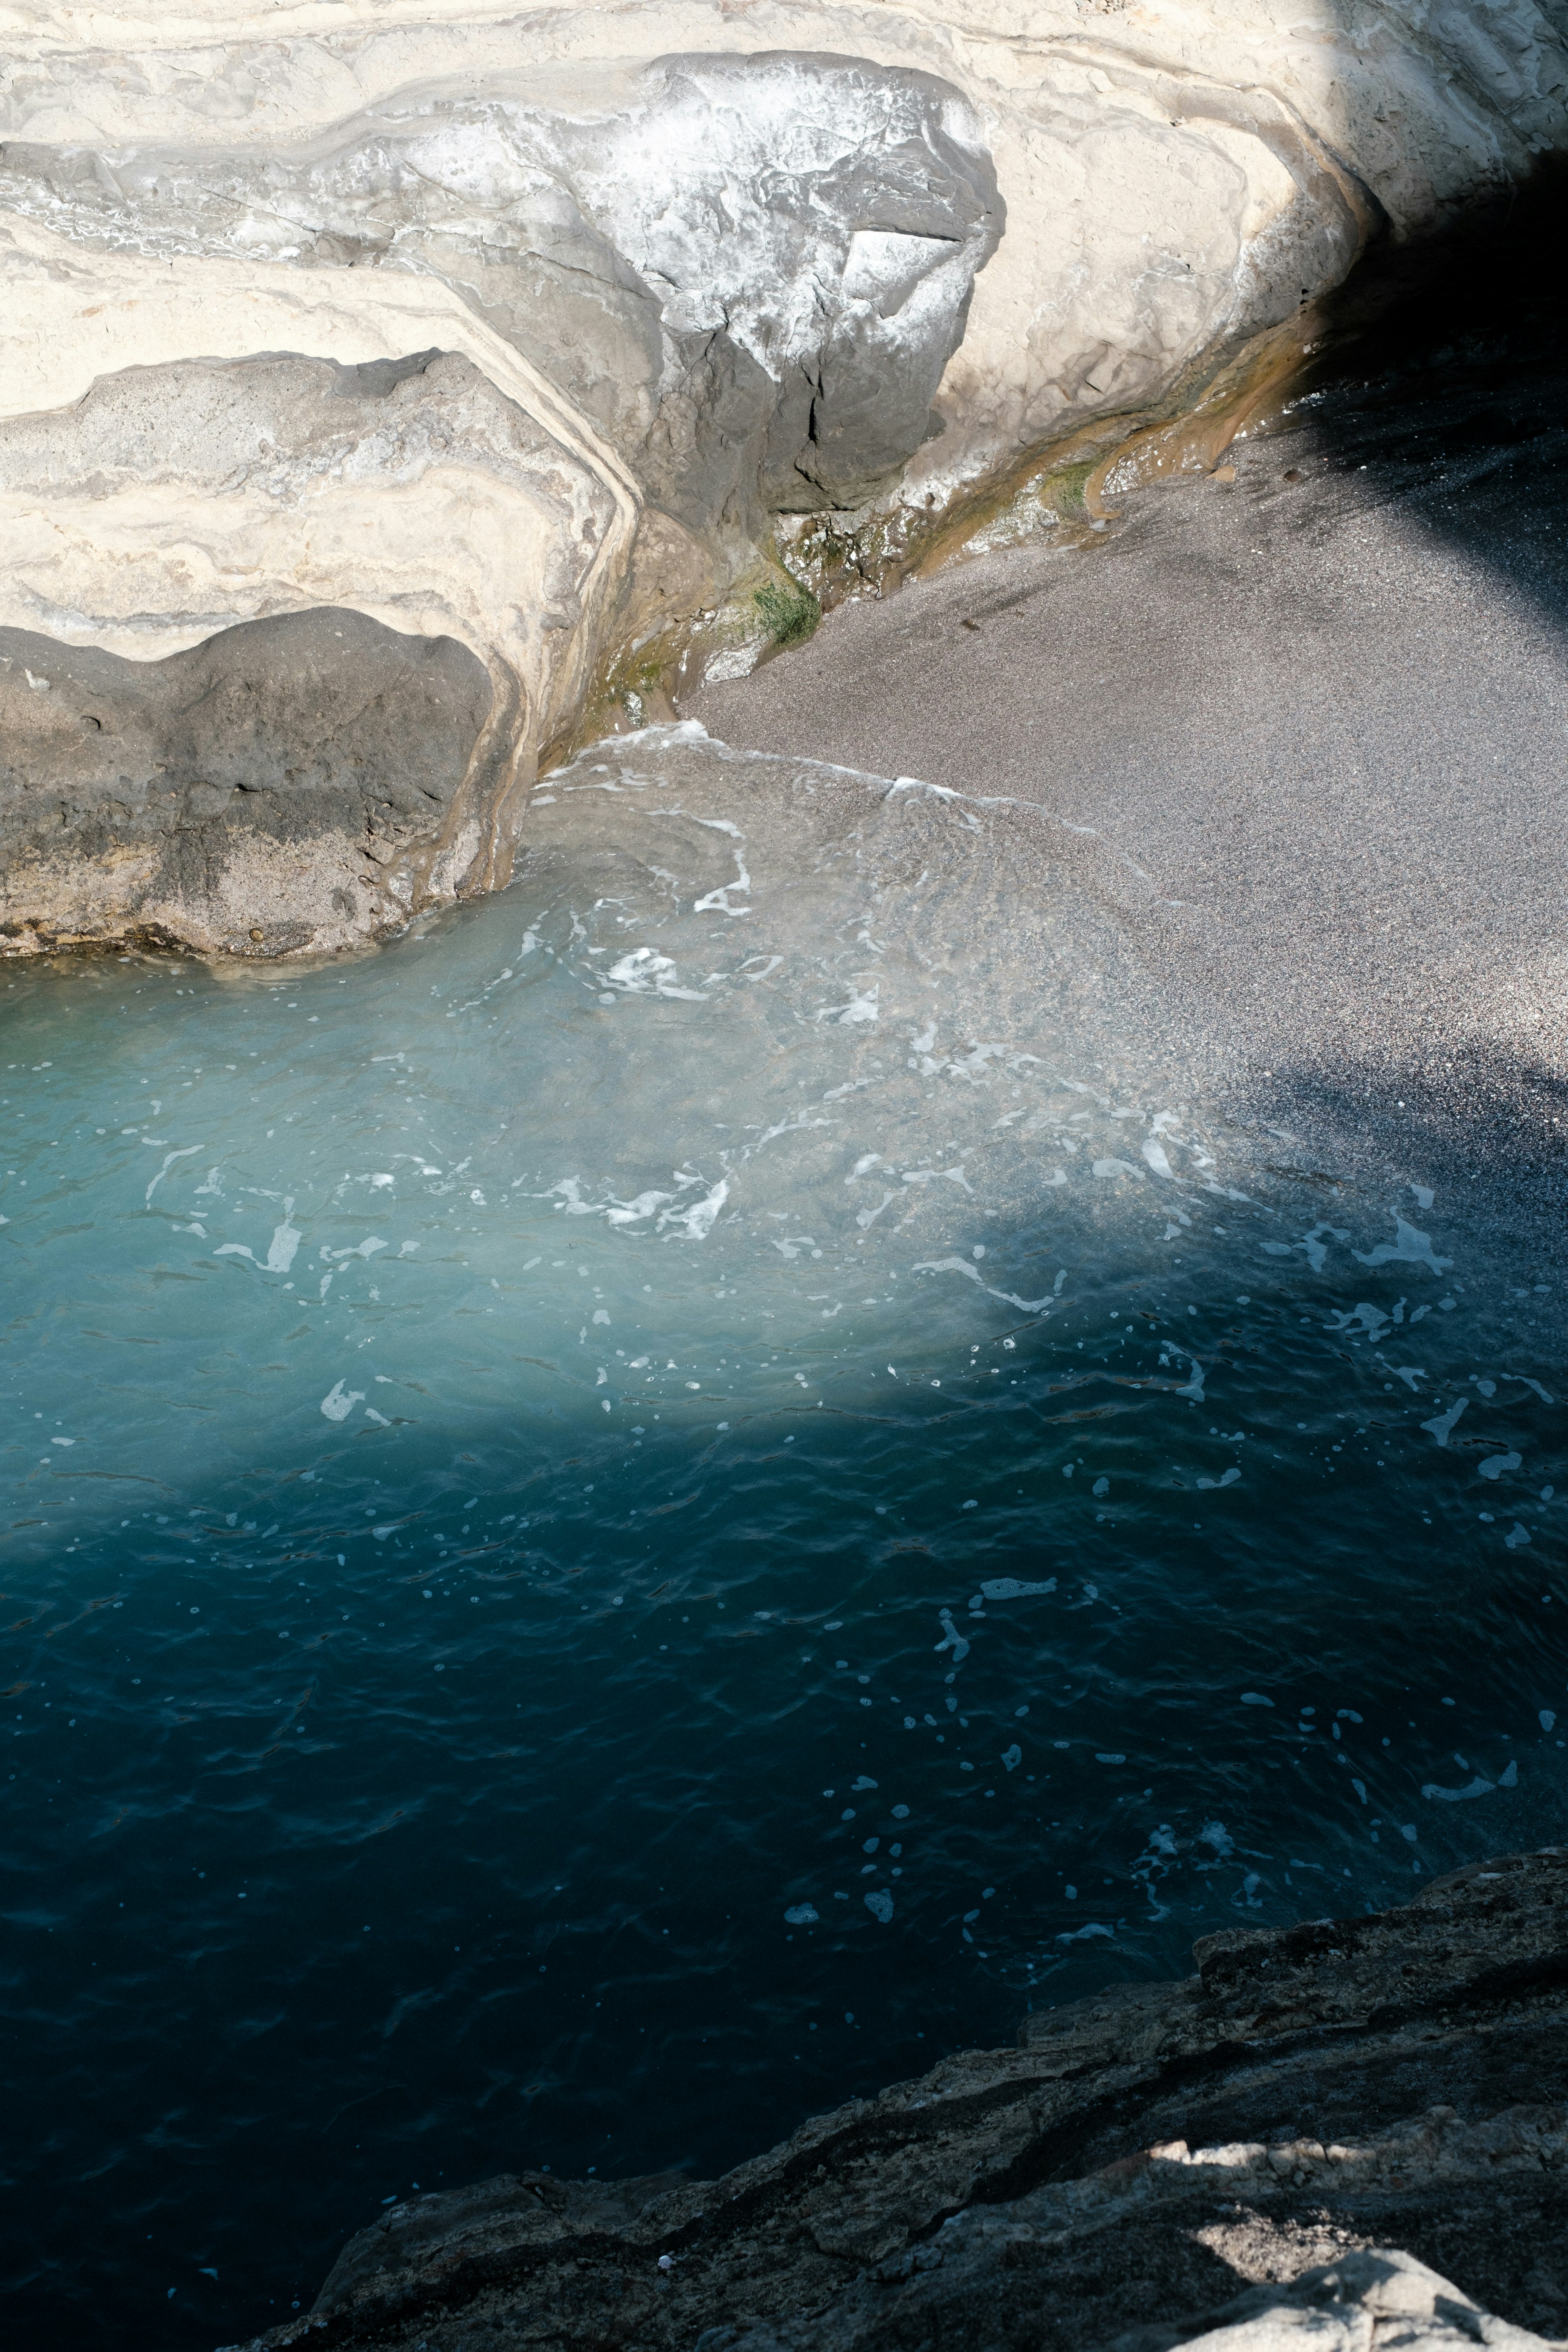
column 1316, row 718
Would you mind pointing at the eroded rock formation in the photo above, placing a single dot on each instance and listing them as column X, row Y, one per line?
column 296, row 783
column 1351, row 2131
column 601, row 345
column 748, row 271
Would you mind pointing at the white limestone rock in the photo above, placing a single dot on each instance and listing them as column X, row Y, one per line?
column 1379, row 2299
column 783, row 243
column 1171, row 173
column 192, row 505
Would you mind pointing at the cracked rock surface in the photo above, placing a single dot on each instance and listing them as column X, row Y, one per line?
column 750, row 273
column 1351, row 2131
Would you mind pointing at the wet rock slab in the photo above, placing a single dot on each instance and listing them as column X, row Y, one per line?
column 1354, row 2130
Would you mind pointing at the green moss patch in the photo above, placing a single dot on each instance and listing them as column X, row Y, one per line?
column 790, row 613
column 1065, row 490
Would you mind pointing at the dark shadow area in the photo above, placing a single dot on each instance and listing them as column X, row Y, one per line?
column 1444, row 376
column 1444, row 380
column 1470, row 1117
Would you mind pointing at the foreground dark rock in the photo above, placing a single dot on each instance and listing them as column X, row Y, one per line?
column 1290, row 2143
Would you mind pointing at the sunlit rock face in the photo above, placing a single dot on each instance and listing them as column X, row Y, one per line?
column 749, row 272
column 645, row 292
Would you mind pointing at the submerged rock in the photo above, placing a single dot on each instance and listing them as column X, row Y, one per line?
column 1363, row 2124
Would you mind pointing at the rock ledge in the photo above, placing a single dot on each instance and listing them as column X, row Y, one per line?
column 1312, row 2137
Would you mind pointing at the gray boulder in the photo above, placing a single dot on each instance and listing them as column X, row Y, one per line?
column 192, row 504
column 287, row 786
column 1379, row 2300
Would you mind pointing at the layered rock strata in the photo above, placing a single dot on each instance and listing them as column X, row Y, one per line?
column 602, row 346
column 1353, row 2131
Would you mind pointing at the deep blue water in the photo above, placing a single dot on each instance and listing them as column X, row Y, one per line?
column 551, row 1623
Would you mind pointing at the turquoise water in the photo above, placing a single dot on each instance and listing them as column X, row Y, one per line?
column 701, row 1483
